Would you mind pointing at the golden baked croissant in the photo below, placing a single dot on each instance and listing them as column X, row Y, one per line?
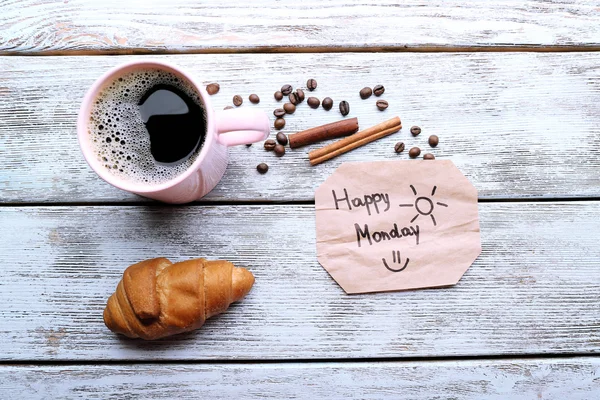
column 156, row 298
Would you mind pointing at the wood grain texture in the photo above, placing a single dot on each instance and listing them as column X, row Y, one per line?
column 75, row 26
column 570, row 378
column 517, row 125
column 533, row 290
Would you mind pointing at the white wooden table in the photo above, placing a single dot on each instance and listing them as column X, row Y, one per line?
column 512, row 88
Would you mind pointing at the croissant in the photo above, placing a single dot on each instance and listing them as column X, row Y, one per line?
column 156, row 298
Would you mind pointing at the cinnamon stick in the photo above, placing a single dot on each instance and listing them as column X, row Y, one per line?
column 328, row 131
column 361, row 138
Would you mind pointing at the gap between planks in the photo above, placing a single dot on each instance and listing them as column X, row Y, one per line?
column 319, row 49
column 492, row 357
column 213, row 203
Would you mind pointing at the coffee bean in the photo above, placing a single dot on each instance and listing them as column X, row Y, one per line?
column 399, row 147
column 278, row 95
column 414, row 152
column 381, row 104
column 293, row 98
column 428, row 156
column 279, row 123
column 344, row 107
column 254, row 99
column 262, row 168
column 365, row 93
column 327, row 103
column 313, row 102
column 279, row 112
column 227, row 108
column 378, row 90
column 286, row 89
column 311, row 84
column 213, row 88
column 282, row 139
column 300, row 95
column 415, row 130
column 433, row 140
column 289, row 108
column 279, row 150
column 269, row 144
column 237, row 100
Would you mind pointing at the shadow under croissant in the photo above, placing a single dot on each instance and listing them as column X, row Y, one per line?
column 200, row 334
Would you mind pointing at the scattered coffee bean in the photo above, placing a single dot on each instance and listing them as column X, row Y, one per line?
column 213, row 88
column 313, row 102
column 227, row 108
column 289, row 108
column 279, row 112
column 399, row 147
column 269, row 144
column 279, row 150
column 293, row 98
column 300, row 95
column 433, row 140
column 237, row 100
column 428, row 156
column 282, row 138
column 327, row 103
column 381, row 104
column 344, row 107
column 278, row 95
column 254, row 99
column 286, row 89
column 279, row 123
column 414, row 152
column 378, row 90
column 262, row 168
column 365, row 93
column 311, row 84
column 415, row 130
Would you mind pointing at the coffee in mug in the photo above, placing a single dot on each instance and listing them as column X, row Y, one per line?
column 148, row 126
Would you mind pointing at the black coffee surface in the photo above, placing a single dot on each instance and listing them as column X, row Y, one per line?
column 174, row 122
column 148, row 126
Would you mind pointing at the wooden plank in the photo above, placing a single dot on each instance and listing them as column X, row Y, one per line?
column 534, row 289
column 518, row 125
column 76, row 26
column 570, row 378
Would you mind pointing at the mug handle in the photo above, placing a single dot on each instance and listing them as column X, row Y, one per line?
column 241, row 126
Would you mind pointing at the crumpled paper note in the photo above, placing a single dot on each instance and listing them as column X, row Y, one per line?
column 397, row 225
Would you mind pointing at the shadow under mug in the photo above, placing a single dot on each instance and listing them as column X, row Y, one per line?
column 223, row 129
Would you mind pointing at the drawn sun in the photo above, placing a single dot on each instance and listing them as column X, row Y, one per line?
column 424, row 205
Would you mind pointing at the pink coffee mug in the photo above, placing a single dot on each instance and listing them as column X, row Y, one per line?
column 223, row 129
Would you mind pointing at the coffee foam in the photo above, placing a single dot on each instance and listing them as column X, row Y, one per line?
column 118, row 134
